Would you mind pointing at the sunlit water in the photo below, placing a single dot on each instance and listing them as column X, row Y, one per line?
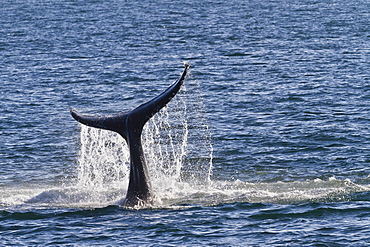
column 267, row 143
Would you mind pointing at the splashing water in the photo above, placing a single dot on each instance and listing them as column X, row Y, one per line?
column 177, row 159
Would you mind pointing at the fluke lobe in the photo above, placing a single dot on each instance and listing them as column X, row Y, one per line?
column 130, row 126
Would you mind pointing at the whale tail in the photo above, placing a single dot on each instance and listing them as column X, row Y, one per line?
column 130, row 125
column 134, row 120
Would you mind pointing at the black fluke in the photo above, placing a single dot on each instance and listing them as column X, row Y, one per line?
column 130, row 126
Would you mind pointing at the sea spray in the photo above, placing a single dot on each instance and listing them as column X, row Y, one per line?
column 177, row 147
column 103, row 159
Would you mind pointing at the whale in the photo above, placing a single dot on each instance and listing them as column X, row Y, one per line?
column 130, row 126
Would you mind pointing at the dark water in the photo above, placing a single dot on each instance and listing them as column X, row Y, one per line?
column 283, row 87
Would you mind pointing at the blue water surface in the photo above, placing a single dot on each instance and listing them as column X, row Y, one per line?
column 282, row 86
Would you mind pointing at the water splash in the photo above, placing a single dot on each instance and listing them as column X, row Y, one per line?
column 177, row 147
column 103, row 158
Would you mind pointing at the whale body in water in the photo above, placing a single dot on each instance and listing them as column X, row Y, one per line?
column 130, row 126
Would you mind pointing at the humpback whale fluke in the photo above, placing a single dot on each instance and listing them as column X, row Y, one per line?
column 130, row 126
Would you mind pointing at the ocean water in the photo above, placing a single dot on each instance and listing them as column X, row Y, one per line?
column 267, row 143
